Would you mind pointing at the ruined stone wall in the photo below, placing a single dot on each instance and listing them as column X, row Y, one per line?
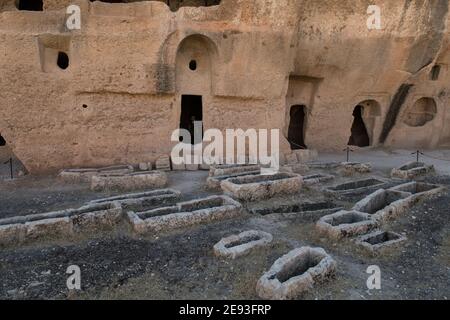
column 119, row 99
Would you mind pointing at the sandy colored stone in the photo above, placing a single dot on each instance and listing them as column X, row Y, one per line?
column 120, row 98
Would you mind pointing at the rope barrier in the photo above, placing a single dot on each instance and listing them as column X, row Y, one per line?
column 435, row 158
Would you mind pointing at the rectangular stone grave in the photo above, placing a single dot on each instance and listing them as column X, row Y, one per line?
column 60, row 224
column 242, row 244
column 419, row 190
column 231, row 169
column 185, row 214
column 385, row 205
column 412, row 170
column 317, row 178
column 85, row 175
column 313, row 209
column 257, row 187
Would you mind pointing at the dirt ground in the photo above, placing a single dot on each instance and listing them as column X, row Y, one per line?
column 181, row 265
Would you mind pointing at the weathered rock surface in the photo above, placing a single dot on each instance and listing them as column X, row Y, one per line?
column 120, row 97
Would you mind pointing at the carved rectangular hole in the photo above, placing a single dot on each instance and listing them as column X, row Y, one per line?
column 382, row 238
column 298, row 268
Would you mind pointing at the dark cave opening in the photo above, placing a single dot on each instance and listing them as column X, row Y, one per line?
column 296, row 131
column 191, row 111
column 359, row 136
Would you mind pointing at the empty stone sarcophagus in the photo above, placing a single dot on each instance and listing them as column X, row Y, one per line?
column 60, row 224
column 231, row 169
column 85, row 175
column 317, row 178
column 385, row 205
column 346, row 224
column 380, row 241
column 184, row 214
column 419, row 190
column 250, row 188
column 312, row 209
column 412, row 170
column 143, row 200
column 357, row 186
column 214, row 182
column 295, row 273
column 239, row 245
column 130, row 181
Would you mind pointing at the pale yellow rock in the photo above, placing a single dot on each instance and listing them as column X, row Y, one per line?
column 120, row 98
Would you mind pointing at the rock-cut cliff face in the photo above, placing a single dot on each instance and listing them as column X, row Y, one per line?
column 114, row 91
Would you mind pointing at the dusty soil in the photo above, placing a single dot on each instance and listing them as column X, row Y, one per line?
column 181, row 265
